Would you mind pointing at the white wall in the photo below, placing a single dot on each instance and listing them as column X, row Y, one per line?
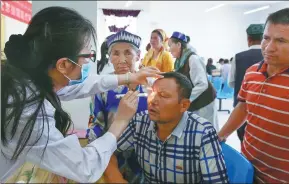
column 260, row 17
column 213, row 34
column 78, row 109
column 13, row 26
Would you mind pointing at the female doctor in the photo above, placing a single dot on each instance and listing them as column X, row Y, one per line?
column 47, row 64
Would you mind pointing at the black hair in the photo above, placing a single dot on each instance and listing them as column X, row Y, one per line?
column 221, row 60
column 226, row 61
column 104, row 58
column 159, row 33
column 279, row 17
column 188, row 39
column 53, row 33
column 184, row 83
column 148, row 47
column 210, row 61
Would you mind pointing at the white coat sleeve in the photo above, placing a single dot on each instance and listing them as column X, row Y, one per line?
column 61, row 155
column 94, row 84
column 198, row 77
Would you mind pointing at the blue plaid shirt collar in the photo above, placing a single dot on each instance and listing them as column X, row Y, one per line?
column 178, row 131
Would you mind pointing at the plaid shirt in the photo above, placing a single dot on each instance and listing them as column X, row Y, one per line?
column 191, row 154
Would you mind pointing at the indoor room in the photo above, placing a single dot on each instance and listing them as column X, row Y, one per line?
column 208, row 43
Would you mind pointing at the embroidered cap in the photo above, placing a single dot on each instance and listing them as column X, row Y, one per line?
column 124, row 36
column 179, row 36
column 255, row 29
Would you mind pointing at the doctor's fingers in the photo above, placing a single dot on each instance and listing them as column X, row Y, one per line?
column 132, row 96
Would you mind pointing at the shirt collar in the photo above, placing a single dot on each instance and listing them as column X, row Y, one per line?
column 178, row 131
column 255, row 47
column 263, row 68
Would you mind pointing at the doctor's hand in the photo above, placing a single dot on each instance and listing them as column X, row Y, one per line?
column 140, row 77
column 126, row 110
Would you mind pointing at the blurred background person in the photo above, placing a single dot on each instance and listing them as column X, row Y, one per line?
column 210, row 66
column 158, row 55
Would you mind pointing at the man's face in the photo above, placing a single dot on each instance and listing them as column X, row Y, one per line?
column 164, row 103
column 123, row 57
column 275, row 44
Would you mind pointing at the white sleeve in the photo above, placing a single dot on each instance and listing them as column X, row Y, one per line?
column 94, row 84
column 66, row 157
column 63, row 156
column 198, row 77
column 232, row 75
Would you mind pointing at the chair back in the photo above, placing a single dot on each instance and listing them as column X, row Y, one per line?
column 217, row 83
column 240, row 170
column 227, row 91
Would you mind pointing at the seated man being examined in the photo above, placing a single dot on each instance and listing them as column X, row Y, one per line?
column 171, row 144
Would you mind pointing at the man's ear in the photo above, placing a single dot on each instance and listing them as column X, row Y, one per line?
column 62, row 65
column 185, row 104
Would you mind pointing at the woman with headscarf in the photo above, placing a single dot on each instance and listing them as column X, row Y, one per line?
column 190, row 64
column 158, row 56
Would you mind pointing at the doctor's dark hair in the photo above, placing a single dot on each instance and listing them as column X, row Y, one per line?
column 53, row 33
column 104, row 57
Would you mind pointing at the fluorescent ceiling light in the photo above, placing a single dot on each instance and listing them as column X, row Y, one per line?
column 215, row 7
column 257, row 9
column 128, row 3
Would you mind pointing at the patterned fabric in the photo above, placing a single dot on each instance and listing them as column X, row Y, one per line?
column 266, row 139
column 124, row 36
column 103, row 108
column 191, row 154
column 179, row 63
column 30, row 173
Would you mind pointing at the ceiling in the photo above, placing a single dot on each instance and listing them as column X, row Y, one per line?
column 148, row 5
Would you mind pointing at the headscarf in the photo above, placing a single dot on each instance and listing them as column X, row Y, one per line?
column 180, row 62
column 164, row 37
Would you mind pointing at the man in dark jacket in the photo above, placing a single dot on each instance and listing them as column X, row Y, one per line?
column 243, row 60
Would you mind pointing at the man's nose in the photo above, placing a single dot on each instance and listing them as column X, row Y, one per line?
column 270, row 47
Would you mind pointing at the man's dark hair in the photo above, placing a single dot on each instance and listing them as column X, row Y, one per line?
column 226, row 61
column 210, row 61
column 184, row 83
column 221, row 60
column 279, row 17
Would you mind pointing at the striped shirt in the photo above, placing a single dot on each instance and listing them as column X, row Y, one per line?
column 191, row 154
column 266, row 140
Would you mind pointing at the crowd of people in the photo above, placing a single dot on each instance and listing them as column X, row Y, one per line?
column 156, row 122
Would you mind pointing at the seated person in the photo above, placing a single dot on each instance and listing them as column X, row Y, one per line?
column 172, row 144
column 123, row 50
